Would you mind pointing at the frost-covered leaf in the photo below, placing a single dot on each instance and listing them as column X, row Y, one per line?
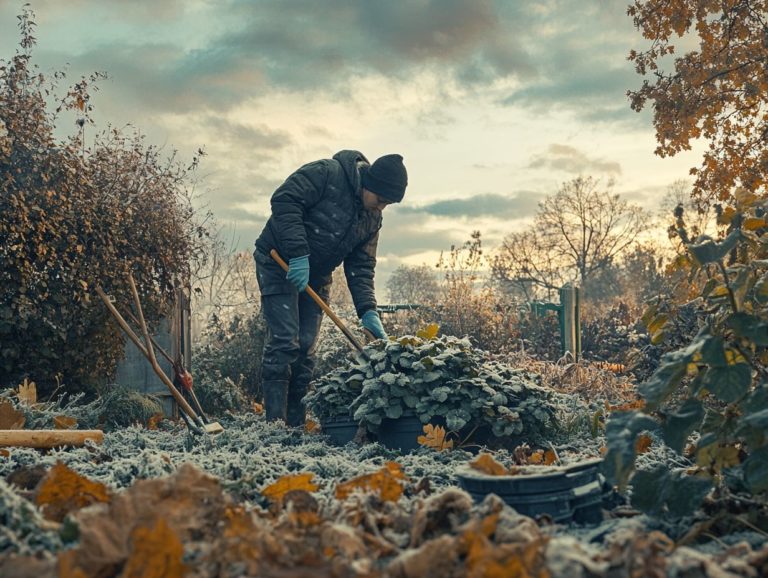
column 277, row 490
column 486, row 464
column 63, row 490
column 387, row 482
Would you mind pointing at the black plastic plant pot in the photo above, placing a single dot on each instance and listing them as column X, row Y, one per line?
column 587, row 503
column 584, row 472
column 476, row 482
column 556, row 505
column 401, row 433
column 341, row 430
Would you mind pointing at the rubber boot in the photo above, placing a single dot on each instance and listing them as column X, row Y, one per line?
column 276, row 399
column 296, row 413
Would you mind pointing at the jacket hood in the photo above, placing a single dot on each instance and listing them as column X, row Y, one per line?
column 348, row 159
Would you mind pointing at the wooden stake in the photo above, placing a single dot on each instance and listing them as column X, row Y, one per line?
column 48, row 438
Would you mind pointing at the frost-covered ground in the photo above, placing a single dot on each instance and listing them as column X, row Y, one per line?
column 251, row 454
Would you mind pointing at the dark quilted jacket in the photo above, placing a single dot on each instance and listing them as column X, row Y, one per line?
column 318, row 211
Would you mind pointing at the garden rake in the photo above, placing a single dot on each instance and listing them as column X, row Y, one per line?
column 195, row 423
column 317, row 299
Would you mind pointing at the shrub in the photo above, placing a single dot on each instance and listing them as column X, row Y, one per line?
column 73, row 217
column 435, row 378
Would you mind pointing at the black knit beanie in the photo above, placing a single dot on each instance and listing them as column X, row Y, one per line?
column 386, row 177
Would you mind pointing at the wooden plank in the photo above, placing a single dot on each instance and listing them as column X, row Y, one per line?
column 48, row 438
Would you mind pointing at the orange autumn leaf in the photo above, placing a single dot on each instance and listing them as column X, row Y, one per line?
column 154, row 420
column 386, row 481
column 257, row 407
column 486, row 464
column 643, row 443
column 63, row 491
column 157, row 552
column 64, row 422
column 434, row 437
column 546, row 458
column 10, row 417
column 277, row 490
column 311, row 426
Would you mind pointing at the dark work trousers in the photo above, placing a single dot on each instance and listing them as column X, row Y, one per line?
column 293, row 326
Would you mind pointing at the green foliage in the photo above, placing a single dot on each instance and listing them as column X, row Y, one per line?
column 121, row 406
column 220, row 395
column 716, row 384
column 443, row 377
column 72, row 217
column 232, row 351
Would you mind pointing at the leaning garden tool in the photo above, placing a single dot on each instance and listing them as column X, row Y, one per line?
column 339, row 323
column 195, row 422
column 182, row 379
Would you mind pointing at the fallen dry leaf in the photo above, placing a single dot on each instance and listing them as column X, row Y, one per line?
column 277, row 490
column 10, row 417
column 64, row 422
column 154, row 420
column 63, row 490
column 157, row 552
column 643, row 443
column 27, row 392
column 257, row 407
column 543, row 457
column 311, row 426
column 386, row 481
column 486, row 464
column 434, row 437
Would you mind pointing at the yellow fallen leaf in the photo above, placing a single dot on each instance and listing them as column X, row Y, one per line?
column 386, row 481
column 27, row 392
column 434, row 437
column 156, row 552
column 63, row 490
column 429, row 332
column 277, row 490
column 486, row 464
column 10, row 417
column 64, row 422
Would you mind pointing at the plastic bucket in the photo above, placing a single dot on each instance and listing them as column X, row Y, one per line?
column 401, row 433
column 340, row 430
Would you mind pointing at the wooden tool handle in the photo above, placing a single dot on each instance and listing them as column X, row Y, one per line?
column 311, row 292
column 48, row 438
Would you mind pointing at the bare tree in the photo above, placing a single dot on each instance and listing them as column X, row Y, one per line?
column 577, row 232
column 225, row 286
column 412, row 284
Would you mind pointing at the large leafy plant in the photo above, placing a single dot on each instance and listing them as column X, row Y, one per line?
column 715, row 386
column 443, row 378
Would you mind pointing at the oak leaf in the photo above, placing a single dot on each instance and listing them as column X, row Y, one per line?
column 434, row 437
column 429, row 332
column 277, row 490
column 63, row 490
column 157, row 552
column 386, row 481
column 486, row 464
column 27, row 392
column 154, row 420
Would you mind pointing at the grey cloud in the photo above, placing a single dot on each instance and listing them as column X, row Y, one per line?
column 521, row 204
column 247, row 137
column 571, row 160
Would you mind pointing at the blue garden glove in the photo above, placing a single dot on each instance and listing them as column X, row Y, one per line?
column 298, row 272
column 372, row 322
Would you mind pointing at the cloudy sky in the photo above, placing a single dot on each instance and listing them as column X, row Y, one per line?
column 492, row 103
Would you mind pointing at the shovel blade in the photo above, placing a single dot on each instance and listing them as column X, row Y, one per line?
column 213, row 428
